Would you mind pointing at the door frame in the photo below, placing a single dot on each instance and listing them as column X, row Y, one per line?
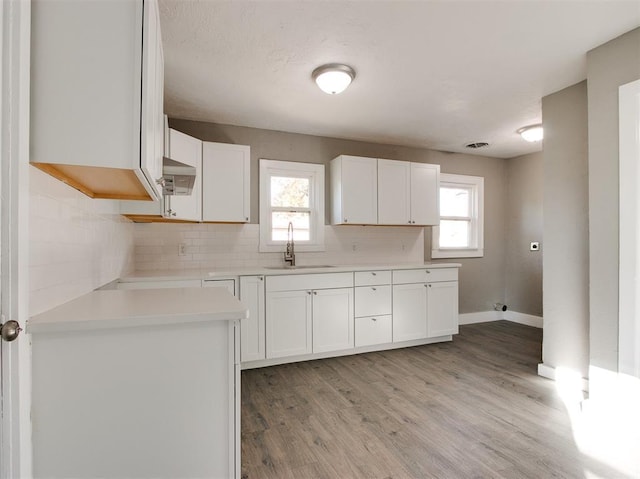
column 16, row 450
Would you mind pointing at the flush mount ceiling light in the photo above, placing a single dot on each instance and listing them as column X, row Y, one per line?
column 531, row 133
column 333, row 78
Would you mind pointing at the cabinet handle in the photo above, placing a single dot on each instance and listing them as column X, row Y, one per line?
column 373, row 289
column 309, row 292
column 246, row 218
column 260, row 278
column 409, row 221
column 315, row 293
column 428, row 271
column 374, row 274
column 429, row 285
column 413, row 222
column 346, row 220
column 373, row 319
column 426, row 285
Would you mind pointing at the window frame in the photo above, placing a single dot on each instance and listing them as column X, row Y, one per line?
column 476, row 219
column 292, row 169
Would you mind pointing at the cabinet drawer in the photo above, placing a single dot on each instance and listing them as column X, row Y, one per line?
column 369, row 278
column 372, row 300
column 296, row 282
column 373, row 330
column 424, row 275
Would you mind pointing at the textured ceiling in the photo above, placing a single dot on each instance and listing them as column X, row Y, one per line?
column 433, row 74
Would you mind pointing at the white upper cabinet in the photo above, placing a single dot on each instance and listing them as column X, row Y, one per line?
column 185, row 149
column 96, row 96
column 188, row 150
column 425, row 194
column 394, row 194
column 354, row 190
column 225, row 182
column 408, row 193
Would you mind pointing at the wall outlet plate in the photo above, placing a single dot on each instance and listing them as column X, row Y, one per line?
column 535, row 246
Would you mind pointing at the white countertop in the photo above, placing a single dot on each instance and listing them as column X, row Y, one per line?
column 109, row 309
column 178, row 274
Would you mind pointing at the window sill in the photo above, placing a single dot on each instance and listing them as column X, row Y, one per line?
column 457, row 253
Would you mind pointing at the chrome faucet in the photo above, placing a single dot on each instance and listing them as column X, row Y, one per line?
column 289, row 253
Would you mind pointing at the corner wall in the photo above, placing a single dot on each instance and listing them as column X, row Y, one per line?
column 566, row 229
column 613, row 64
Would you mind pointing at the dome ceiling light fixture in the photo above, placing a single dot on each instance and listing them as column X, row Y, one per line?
column 532, row 133
column 333, row 78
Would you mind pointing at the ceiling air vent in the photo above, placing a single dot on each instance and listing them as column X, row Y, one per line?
column 479, row 144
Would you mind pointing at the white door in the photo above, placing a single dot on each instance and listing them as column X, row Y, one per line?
column 252, row 339
column 442, row 308
column 15, row 394
column 288, row 323
column 394, row 195
column 409, row 311
column 332, row 319
column 425, row 194
column 359, row 190
column 225, row 182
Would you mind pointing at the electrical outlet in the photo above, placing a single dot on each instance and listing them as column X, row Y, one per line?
column 535, row 246
column 182, row 249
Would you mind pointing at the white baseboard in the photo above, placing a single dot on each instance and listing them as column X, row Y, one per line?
column 549, row 372
column 480, row 317
column 513, row 316
column 521, row 318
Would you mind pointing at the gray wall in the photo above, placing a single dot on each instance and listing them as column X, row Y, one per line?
column 608, row 66
column 481, row 279
column 523, row 278
column 566, row 229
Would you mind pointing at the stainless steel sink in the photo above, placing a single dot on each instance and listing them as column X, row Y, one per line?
column 309, row 266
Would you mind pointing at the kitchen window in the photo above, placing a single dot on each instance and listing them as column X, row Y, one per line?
column 460, row 232
column 291, row 192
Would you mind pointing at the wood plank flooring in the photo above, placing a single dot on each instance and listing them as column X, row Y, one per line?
column 470, row 408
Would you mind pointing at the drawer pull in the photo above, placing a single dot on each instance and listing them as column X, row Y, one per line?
column 373, row 319
column 374, row 274
column 315, row 292
column 428, row 272
column 309, row 292
column 374, row 289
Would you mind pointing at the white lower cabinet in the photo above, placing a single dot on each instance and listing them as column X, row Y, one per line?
column 332, row 319
column 409, row 311
column 252, row 334
column 288, row 323
column 442, row 309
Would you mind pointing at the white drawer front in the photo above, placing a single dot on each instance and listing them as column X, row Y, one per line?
column 295, row 282
column 373, row 330
column 369, row 278
column 424, row 275
column 373, row 300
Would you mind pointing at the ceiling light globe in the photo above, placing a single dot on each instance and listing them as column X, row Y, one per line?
column 334, row 78
column 532, row 133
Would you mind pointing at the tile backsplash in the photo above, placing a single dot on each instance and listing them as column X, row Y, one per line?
column 76, row 244
column 212, row 246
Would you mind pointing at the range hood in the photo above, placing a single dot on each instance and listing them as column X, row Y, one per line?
column 177, row 178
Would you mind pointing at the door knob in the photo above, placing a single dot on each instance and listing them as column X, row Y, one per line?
column 10, row 330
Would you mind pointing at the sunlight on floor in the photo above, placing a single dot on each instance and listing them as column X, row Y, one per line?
column 607, row 430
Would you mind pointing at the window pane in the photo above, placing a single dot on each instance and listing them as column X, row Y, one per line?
column 289, row 192
column 454, row 234
column 280, row 224
column 455, row 201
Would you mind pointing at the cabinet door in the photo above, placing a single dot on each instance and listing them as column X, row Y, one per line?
column 409, row 312
column 152, row 118
column 252, row 341
column 225, row 182
column 332, row 319
column 358, row 183
column 394, row 194
column 288, row 323
column 425, row 194
column 188, row 150
column 442, row 308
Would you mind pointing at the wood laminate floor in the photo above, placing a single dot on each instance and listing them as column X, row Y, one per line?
column 470, row 408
